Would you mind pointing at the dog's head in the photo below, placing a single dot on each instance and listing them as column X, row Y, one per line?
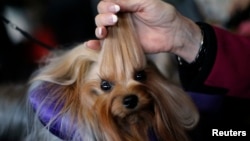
column 113, row 94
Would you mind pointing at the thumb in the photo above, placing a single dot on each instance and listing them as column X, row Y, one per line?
column 93, row 44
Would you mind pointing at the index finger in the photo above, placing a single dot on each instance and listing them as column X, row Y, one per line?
column 107, row 7
column 128, row 5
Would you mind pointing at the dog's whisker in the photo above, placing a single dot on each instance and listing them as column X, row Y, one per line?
column 113, row 94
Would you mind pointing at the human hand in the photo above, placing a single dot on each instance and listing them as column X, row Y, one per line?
column 159, row 26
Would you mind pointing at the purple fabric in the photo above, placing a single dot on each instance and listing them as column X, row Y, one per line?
column 207, row 102
column 151, row 135
column 49, row 110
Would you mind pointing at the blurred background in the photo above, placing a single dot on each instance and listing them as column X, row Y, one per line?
column 58, row 23
column 65, row 23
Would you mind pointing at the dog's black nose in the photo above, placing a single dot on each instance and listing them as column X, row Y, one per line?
column 130, row 101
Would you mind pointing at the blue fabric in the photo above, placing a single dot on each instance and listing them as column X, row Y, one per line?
column 38, row 95
column 151, row 135
column 207, row 102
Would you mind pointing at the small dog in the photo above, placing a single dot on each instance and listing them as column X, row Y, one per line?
column 112, row 94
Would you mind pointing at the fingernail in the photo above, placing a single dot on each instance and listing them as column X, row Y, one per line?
column 100, row 31
column 86, row 44
column 114, row 19
column 114, row 8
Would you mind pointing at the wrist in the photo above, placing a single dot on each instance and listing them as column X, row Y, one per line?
column 190, row 41
column 200, row 56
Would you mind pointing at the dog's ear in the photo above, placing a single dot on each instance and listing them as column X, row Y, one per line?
column 54, row 93
column 175, row 111
column 69, row 67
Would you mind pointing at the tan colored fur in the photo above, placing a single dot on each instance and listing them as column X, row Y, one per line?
column 100, row 115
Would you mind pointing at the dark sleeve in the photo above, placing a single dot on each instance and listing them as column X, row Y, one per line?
column 225, row 68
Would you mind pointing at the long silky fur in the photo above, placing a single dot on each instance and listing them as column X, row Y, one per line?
column 74, row 79
column 13, row 115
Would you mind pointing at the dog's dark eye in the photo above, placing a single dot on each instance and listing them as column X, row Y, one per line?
column 106, row 85
column 140, row 76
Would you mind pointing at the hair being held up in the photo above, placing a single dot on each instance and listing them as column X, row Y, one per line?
column 110, row 94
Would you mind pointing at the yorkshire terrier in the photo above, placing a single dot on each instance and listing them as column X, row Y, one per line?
column 111, row 94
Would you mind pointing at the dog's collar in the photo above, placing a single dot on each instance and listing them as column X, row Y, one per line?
column 38, row 93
